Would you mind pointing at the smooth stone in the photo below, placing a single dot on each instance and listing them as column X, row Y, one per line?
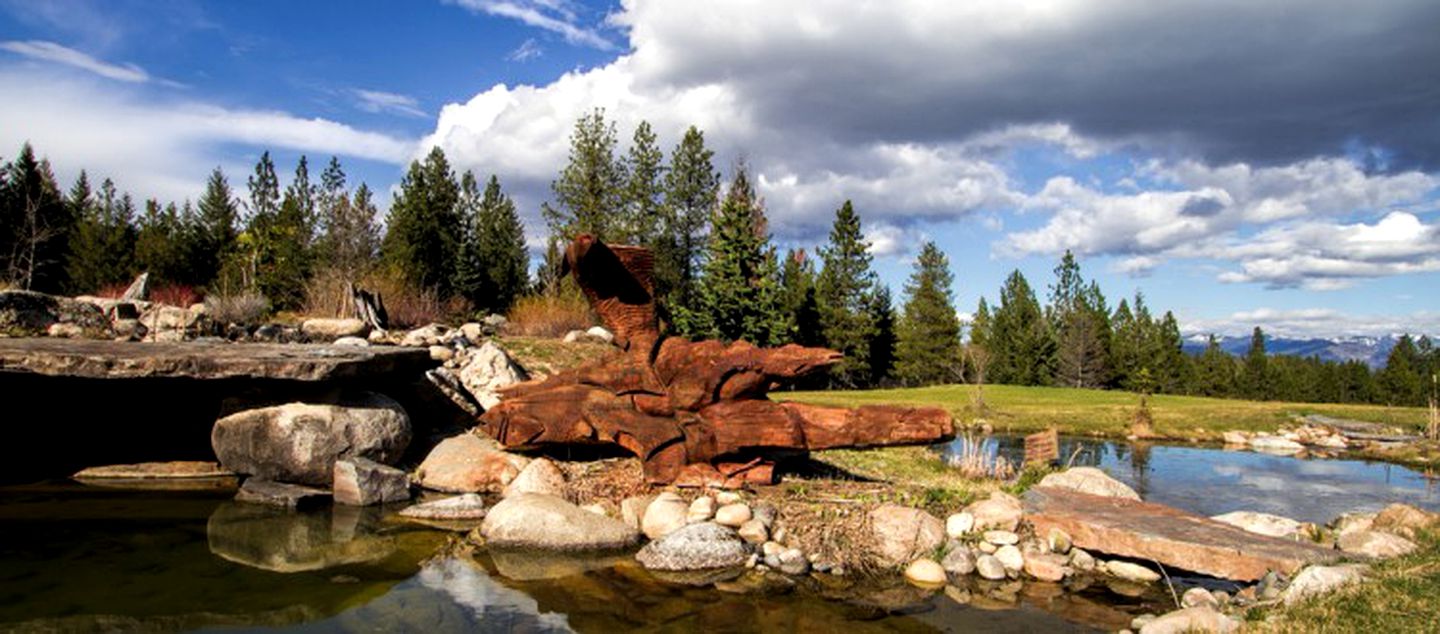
column 331, row 329
column 600, row 334
column 424, row 336
column 1189, row 620
column 959, row 525
column 900, row 534
column 441, row 353
column 1264, row 524
column 1058, row 541
column 280, row 494
column 487, row 369
column 701, row 546
column 754, row 532
column 726, row 498
column 925, row 573
column 540, row 476
column 362, row 482
column 1091, row 481
column 1046, row 566
column 1011, row 558
column 300, row 443
column 469, row 463
column 988, row 567
column 702, row 509
column 1275, row 444
column 958, row 562
column 355, row 342
column 546, row 522
column 665, row 514
column 987, row 548
column 1002, row 538
column 1373, row 543
column 772, row 549
column 793, row 562
column 1317, row 580
column 1131, row 572
column 1235, row 438
column 1197, row 597
column 632, row 510
column 468, row 507
column 1000, row 511
column 733, row 515
column 1082, row 560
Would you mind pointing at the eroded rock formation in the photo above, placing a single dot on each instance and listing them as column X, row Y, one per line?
column 695, row 412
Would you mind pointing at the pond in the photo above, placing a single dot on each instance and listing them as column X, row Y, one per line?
column 78, row 558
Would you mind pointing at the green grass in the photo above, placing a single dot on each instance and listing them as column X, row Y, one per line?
column 1107, row 413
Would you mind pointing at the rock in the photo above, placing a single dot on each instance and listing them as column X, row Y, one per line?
column 473, row 331
column 596, row 508
column 1091, row 481
column 959, row 525
column 362, row 482
column 1275, row 444
column 1011, row 558
column 700, row 546
column 468, row 507
column 1269, row 587
column 1332, row 442
column 1058, row 541
column 733, row 515
column 494, row 322
column 765, row 512
column 1192, row 620
column 546, row 522
column 283, row 541
column 792, row 562
column 441, row 353
column 300, row 443
column 487, row 369
column 600, row 334
column 1001, row 511
column 1131, row 572
column 163, row 317
column 351, row 341
column 468, row 463
column 540, row 476
column 1235, row 438
column 138, row 289
column 424, row 336
column 1046, row 566
column 1321, row 579
column 1198, row 597
column 323, row 329
column 1373, row 543
column 1144, row 531
column 701, row 510
column 1352, row 523
column 772, row 549
column 1002, row 538
column 1265, row 524
column 990, row 568
column 293, row 496
column 958, row 595
column 899, row 534
column 754, row 532
column 987, row 547
column 65, row 331
column 180, row 470
column 632, row 510
column 30, row 314
column 1081, row 560
column 726, row 498
column 1404, row 520
column 925, row 573
column 958, row 562
column 664, row 515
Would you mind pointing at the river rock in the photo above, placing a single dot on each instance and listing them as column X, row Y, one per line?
column 632, row 509
column 701, row 510
column 925, row 573
column 487, row 369
column 1001, row 538
column 1131, row 572
column 424, row 336
column 469, row 463
column 1404, row 520
column 959, row 525
column 1058, row 541
column 468, row 507
column 899, row 534
column 539, row 476
column 765, row 512
column 1235, row 438
column 733, row 515
column 1198, row 597
column 362, row 482
column 1264, row 524
column 546, row 522
column 325, row 329
column 1321, row 579
column 959, row 561
column 1189, row 620
column 279, row 494
column 726, row 498
column 300, row 443
column 1081, row 560
column 600, row 334
column 792, row 561
column 1275, row 444
column 1089, row 480
column 355, row 342
column 1000, row 511
column 700, row 546
column 754, row 532
column 988, row 567
column 664, row 515
column 1373, row 543
column 1352, row 523
column 1046, row 566
column 1011, row 558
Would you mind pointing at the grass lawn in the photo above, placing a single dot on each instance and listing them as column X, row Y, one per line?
column 1107, row 413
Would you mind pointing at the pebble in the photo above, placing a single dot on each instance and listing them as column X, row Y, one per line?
column 1002, row 538
column 733, row 515
column 1011, row 558
column 958, row 562
column 987, row 548
column 959, row 525
column 701, row 510
column 725, row 498
column 925, row 573
column 772, row 549
column 754, row 532
column 990, row 568
column 1195, row 597
column 793, row 562
column 1058, row 541
column 1081, row 560
column 1131, row 572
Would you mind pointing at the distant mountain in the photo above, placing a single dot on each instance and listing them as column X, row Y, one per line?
column 1371, row 350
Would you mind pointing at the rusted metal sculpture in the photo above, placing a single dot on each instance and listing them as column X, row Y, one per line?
column 695, row 412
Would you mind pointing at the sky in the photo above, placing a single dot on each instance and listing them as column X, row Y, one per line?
column 1239, row 163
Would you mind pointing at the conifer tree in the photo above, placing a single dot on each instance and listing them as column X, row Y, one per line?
column 469, row 280
column 35, row 226
column 104, row 241
column 590, row 191
column 1399, row 381
column 160, row 243
column 1215, row 371
column 289, row 247
column 739, row 285
column 348, row 237
column 1255, row 379
column 1021, row 345
column 882, row 342
column 218, row 237
column 1078, row 315
column 691, row 188
column 843, row 292
column 502, row 250
column 642, row 220
column 800, row 312
column 928, row 336
column 421, row 240
column 1172, row 371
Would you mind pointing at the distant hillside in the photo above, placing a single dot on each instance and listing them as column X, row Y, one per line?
column 1371, row 350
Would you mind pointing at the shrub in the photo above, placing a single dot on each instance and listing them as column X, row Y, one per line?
column 327, row 294
column 176, row 295
column 408, row 306
column 245, row 307
column 548, row 315
column 112, row 291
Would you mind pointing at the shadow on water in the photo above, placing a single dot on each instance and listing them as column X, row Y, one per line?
column 1309, row 489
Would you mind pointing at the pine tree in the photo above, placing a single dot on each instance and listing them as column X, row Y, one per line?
column 104, row 242
column 287, row 260
column 469, row 280
column 843, row 293
column 1400, row 382
column 1078, row 315
column 218, row 236
column 643, row 217
column 691, row 188
column 590, row 191
column 800, row 311
column 421, row 241
column 1215, row 371
column 349, row 237
column 928, row 337
column 1255, row 380
column 502, row 250
column 160, row 243
column 1172, row 369
column 739, row 285
column 35, row 226
column 1021, row 346
column 882, row 342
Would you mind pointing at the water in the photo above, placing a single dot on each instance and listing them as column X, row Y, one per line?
column 1210, row 481
column 77, row 558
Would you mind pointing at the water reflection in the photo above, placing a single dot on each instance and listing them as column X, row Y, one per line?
column 1212, row 481
column 282, row 540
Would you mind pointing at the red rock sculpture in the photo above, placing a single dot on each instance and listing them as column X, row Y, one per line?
column 695, row 412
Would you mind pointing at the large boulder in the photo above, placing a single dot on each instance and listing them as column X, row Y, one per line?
column 1000, row 511
column 300, row 443
column 1376, row 544
column 31, row 314
column 1404, row 520
column 540, row 476
column 487, row 369
column 701, row 546
column 1321, row 579
column 328, row 329
column 546, row 522
column 900, row 534
column 1089, row 480
column 469, row 463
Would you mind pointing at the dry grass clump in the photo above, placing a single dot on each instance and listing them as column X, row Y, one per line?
column 548, row 315
column 327, row 294
column 976, row 462
column 244, row 307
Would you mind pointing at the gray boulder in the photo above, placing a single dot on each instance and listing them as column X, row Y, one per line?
column 899, row 534
column 487, row 369
column 362, row 482
column 1089, row 480
column 700, row 546
column 279, row 494
column 300, row 443
column 546, row 522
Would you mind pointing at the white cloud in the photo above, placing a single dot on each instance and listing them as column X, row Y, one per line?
column 550, row 15
column 1330, row 256
column 528, row 50
column 1313, row 322
column 55, row 53
column 376, row 101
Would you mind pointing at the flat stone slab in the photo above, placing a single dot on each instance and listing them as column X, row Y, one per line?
column 1175, row 538
column 97, row 359
column 180, row 470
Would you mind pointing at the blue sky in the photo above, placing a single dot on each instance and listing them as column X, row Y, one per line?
column 1270, row 165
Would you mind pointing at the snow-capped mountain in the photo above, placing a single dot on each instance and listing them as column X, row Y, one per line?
column 1371, row 350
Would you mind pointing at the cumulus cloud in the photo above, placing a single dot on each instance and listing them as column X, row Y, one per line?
column 1330, row 256
column 1313, row 322
column 58, row 54
column 555, row 16
column 376, row 101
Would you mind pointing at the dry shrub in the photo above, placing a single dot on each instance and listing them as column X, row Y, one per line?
column 548, row 315
column 113, row 291
column 176, row 295
column 327, row 294
column 245, row 307
column 975, row 461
